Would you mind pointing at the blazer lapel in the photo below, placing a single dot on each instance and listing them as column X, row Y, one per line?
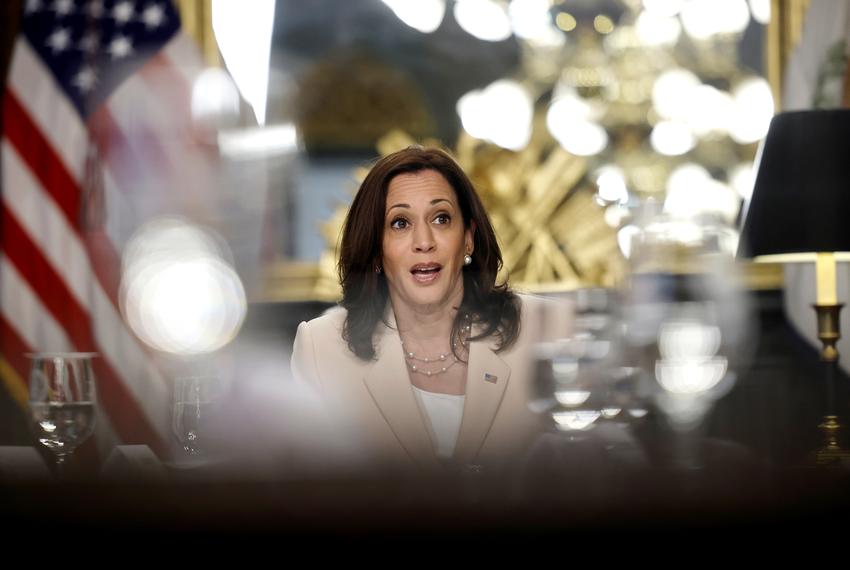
column 486, row 380
column 389, row 385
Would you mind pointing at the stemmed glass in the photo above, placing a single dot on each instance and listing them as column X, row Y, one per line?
column 62, row 401
column 195, row 402
column 570, row 369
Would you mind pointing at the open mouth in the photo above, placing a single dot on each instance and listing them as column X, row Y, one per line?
column 426, row 272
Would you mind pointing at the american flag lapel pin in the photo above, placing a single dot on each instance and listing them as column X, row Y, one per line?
column 492, row 378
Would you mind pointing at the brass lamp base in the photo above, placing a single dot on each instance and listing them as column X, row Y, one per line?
column 829, row 331
column 831, row 453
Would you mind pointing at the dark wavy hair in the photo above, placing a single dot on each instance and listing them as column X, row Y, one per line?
column 365, row 292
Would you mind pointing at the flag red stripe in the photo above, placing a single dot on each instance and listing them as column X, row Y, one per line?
column 40, row 157
column 44, row 280
column 51, row 173
column 121, row 153
column 125, row 413
column 106, row 264
column 123, row 410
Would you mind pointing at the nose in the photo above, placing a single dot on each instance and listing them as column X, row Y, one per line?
column 423, row 239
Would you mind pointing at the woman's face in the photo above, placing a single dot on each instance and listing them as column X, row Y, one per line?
column 424, row 241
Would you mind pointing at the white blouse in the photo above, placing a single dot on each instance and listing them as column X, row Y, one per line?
column 444, row 412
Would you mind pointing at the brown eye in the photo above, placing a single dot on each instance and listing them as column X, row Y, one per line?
column 398, row 224
column 443, row 219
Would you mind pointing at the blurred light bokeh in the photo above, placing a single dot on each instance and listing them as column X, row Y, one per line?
column 179, row 292
column 425, row 16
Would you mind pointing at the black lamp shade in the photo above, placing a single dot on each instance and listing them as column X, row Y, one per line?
column 801, row 198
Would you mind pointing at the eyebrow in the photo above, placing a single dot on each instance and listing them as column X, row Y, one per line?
column 434, row 201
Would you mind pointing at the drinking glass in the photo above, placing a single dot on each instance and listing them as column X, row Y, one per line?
column 571, row 364
column 195, row 401
column 62, row 401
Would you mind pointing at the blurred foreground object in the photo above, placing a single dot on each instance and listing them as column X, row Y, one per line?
column 687, row 321
column 798, row 213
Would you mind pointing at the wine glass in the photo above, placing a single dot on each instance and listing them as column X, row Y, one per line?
column 195, row 401
column 570, row 369
column 62, row 401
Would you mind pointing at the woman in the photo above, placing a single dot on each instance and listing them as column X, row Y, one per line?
column 428, row 357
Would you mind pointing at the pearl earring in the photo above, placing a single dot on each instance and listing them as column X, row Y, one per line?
column 467, row 259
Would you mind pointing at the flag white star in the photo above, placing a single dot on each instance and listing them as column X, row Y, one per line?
column 59, row 40
column 121, row 46
column 123, row 12
column 89, row 43
column 33, row 6
column 63, row 7
column 96, row 8
column 86, row 79
column 153, row 16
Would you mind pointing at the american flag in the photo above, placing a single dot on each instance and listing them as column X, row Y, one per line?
column 97, row 136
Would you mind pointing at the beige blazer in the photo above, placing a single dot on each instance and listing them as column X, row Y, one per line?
column 376, row 400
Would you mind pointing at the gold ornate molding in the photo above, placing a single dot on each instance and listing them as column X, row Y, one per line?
column 196, row 18
column 783, row 33
column 291, row 281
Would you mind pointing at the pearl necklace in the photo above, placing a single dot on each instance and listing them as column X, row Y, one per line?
column 441, row 370
column 412, row 357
